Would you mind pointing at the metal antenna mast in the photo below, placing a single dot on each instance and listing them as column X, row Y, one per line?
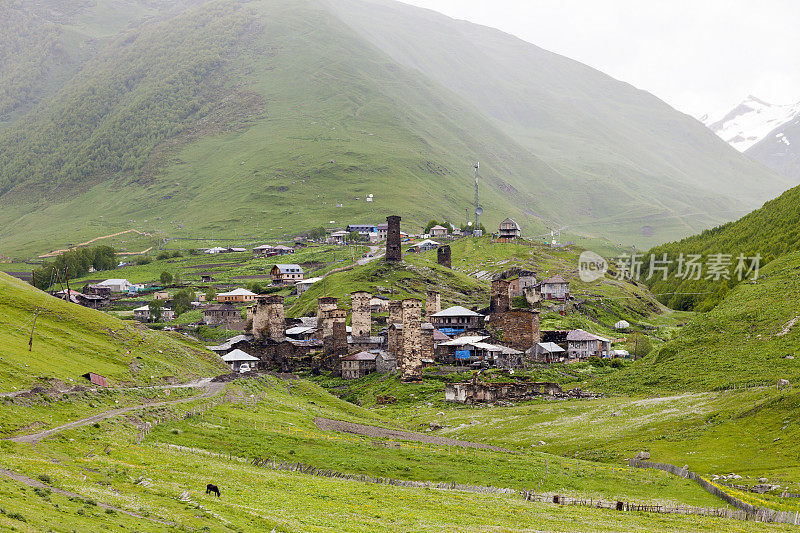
column 477, row 206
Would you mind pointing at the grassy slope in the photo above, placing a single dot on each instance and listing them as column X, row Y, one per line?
column 714, row 433
column 643, row 154
column 327, row 95
column 771, row 231
column 737, row 343
column 381, row 124
column 255, row 423
column 70, row 340
column 608, row 300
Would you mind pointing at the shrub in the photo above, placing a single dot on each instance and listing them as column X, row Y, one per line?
column 44, row 478
column 617, row 363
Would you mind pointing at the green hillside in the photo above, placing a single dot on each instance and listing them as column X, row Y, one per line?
column 750, row 338
column 223, row 119
column 771, row 231
column 647, row 172
column 70, row 340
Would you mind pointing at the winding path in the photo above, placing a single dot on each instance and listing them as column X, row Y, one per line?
column 212, row 389
column 326, row 424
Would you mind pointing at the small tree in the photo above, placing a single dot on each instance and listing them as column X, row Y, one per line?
column 182, row 301
column 354, row 236
column 166, row 278
column 176, row 279
column 211, row 295
column 429, row 225
column 317, row 234
column 155, row 308
column 639, row 345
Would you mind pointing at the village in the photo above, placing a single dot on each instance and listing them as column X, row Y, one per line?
column 378, row 334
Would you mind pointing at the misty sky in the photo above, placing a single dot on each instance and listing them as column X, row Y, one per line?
column 700, row 56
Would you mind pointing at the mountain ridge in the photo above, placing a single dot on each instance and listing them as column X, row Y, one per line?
column 338, row 120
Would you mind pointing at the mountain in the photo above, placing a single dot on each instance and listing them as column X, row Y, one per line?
column 227, row 118
column 751, row 122
column 766, row 132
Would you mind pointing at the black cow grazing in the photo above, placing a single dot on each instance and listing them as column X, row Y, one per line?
column 212, row 489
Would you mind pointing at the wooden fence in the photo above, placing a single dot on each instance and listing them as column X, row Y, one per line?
column 527, row 495
column 750, row 512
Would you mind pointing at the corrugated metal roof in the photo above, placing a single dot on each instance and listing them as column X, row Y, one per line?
column 289, row 268
column 237, row 292
column 551, row 347
column 360, row 356
column 581, row 335
column 238, row 355
column 455, row 310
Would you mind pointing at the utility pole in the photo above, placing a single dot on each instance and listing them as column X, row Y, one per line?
column 30, row 341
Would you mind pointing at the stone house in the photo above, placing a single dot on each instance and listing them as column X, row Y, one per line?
column 217, row 315
column 525, row 280
column 554, row 288
column 582, row 345
column 385, row 362
column 357, row 365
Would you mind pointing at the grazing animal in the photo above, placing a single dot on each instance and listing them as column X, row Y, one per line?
column 212, row 489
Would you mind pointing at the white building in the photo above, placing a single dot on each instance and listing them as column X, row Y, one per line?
column 117, row 285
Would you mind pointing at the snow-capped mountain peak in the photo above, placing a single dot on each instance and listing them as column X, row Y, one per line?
column 751, row 121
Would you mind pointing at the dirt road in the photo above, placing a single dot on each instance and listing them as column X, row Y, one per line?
column 212, row 389
column 327, row 424
column 38, row 484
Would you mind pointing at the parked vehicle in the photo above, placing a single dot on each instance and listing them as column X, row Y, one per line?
column 245, row 368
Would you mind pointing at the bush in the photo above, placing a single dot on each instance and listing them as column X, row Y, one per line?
column 162, row 255
column 44, row 478
column 617, row 363
column 143, row 260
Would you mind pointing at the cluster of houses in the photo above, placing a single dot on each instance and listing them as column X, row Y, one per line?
column 415, row 334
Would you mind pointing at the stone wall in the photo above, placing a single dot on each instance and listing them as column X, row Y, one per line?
column 410, row 358
column 500, row 299
column 361, row 317
column 326, row 303
column 394, row 251
column 426, row 341
column 269, row 320
column 443, row 256
column 395, row 339
column 520, row 328
column 433, row 303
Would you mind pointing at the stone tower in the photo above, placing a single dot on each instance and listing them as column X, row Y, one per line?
column 433, row 303
column 326, row 303
column 361, row 320
column 334, row 332
column 443, row 256
column 426, row 341
column 395, row 335
column 393, row 249
column 269, row 320
column 410, row 359
column 500, row 301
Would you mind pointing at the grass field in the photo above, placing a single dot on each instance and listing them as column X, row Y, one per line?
column 70, row 340
column 273, row 418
